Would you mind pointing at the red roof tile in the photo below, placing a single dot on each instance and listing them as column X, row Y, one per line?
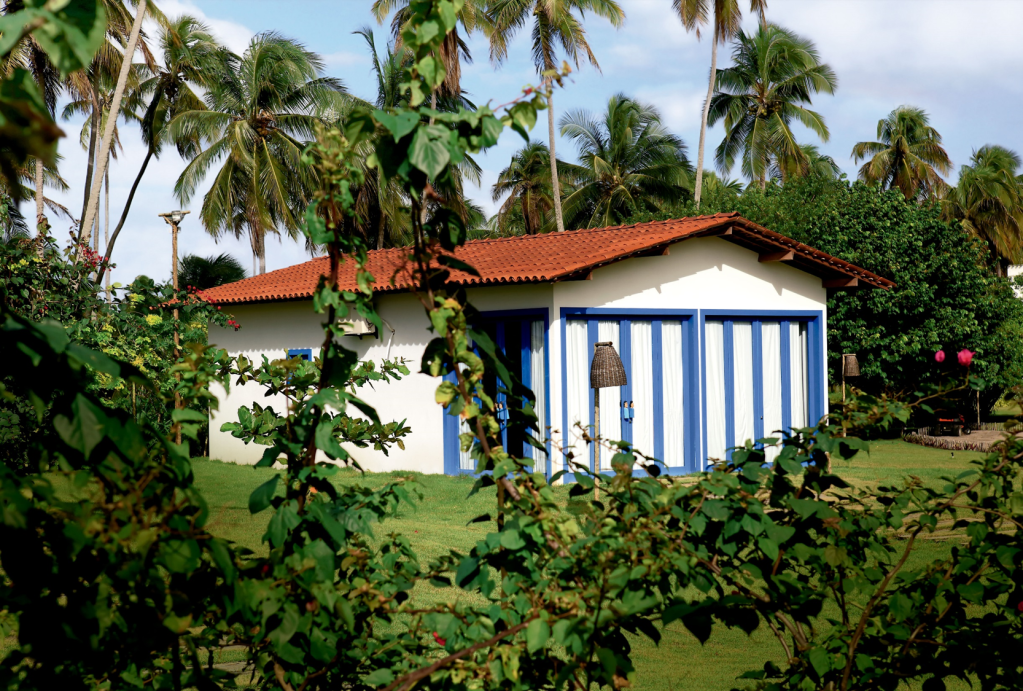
column 547, row 258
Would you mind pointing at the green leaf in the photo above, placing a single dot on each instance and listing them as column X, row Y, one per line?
column 262, row 495
column 184, row 414
column 467, row 571
column 86, row 426
column 537, row 634
column 379, row 678
column 70, row 32
column 428, row 155
column 511, row 539
column 398, row 125
column 900, row 606
column 179, row 556
column 821, row 661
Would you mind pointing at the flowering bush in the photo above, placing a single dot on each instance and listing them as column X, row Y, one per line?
column 40, row 281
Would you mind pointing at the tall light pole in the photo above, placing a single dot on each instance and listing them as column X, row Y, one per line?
column 174, row 219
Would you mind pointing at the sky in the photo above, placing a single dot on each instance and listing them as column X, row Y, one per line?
column 953, row 58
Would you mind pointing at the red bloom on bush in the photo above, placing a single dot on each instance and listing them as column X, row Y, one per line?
column 1019, row 607
column 440, row 641
column 965, row 357
column 939, row 356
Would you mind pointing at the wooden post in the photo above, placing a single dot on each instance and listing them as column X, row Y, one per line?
column 596, row 443
column 843, row 398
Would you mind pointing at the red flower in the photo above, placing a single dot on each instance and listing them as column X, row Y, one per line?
column 965, row 357
column 1019, row 607
column 440, row 641
column 939, row 356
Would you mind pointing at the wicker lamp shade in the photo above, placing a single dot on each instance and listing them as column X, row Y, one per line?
column 850, row 365
column 606, row 369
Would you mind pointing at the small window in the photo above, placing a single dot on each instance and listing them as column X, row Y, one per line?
column 304, row 353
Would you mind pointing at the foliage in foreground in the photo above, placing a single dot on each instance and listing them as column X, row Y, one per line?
column 112, row 541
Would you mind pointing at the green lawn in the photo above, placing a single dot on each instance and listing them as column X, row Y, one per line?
column 439, row 523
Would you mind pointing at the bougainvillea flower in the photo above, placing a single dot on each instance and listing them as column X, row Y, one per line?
column 939, row 356
column 965, row 357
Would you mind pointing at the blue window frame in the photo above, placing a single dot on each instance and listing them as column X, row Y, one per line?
column 816, row 379
column 512, row 331
column 690, row 374
column 304, row 353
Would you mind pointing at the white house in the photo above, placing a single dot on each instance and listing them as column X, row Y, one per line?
column 720, row 324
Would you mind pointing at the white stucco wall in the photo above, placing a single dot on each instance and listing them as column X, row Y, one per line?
column 707, row 273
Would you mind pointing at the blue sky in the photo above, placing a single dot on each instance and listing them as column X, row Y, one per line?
column 950, row 57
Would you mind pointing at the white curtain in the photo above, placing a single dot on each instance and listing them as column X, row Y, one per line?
column 538, row 385
column 742, row 366
column 771, row 335
column 671, row 378
column 715, row 350
column 798, row 370
column 465, row 461
column 577, row 398
column 642, row 380
column 611, row 397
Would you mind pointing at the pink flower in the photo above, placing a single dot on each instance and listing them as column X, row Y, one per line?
column 965, row 357
column 939, row 356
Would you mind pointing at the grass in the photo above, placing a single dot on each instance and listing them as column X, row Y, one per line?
column 440, row 523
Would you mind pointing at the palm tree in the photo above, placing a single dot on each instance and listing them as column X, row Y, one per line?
column 629, row 162
column 132, row 42
column 256, row 121
column 988, row 201
column 208, row 272
column 192, row 61
column 727, row 21
column 810, row 164
column 908, row 154
column 554, row 23
column 530, row 195
column 775, row 73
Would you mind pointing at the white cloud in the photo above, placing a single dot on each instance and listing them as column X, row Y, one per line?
column 234, row 35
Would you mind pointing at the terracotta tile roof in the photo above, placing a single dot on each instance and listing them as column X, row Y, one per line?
column 553, row 257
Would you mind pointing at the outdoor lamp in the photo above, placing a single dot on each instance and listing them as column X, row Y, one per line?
column 606, row 370
column 174, row 219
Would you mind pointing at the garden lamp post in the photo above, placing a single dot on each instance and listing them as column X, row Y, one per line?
column 606, row 370
column 174, row 219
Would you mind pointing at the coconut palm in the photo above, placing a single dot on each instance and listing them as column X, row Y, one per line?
column 727, row 18
column 192, row 61
column 811, row 163
column 208, row 272
column 554, row 24
column 256, row 122
column 988, row 201
column 774, row 75
column 628, row 162
column 908, row 155
column 526, row 186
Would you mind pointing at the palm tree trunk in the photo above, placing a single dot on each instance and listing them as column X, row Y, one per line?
column 41, row 223
column 554, row 159
column 127, row 206
column 106, row 230
column 115, row 109
column 261, row 240
column 97, row 109
column 380, row 209
column 703, row 123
